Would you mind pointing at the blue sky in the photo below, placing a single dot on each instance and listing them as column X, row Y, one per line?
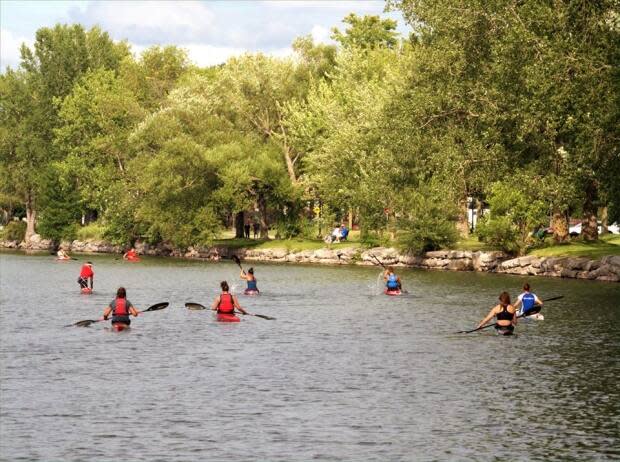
column 211, row 31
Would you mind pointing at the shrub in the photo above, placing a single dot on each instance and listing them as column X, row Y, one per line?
column 499, row 233
column 94, row 231
column 14, row 231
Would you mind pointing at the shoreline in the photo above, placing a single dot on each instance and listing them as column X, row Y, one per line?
column 606, row 269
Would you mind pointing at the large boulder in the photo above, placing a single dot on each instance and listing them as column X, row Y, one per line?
column 36, row 242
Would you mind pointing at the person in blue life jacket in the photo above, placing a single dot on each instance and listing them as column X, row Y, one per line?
column 392, row 281
column 250, row 279
column 530, row 303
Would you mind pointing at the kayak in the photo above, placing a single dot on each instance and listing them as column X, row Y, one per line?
column 225, row 317
column 62, row 259
column 119, row 327
column 534, row 317
column 392, row 292
column 504, row 331
column 86, row 290
column 135, row 259
column 251, row 292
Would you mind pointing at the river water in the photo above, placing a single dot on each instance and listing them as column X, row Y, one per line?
column 343, row 374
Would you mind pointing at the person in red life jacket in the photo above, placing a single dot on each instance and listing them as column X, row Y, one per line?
column 120, row 308
column 225, row 303
column 131, row 254
column 86, row 274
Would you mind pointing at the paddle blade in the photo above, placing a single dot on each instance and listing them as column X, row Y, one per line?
column 553, row 298
column 195, row 306
column 156, row 307
column 269, row 318
column 84, row 323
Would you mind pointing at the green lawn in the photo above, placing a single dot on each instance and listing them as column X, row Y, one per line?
column 607, row 245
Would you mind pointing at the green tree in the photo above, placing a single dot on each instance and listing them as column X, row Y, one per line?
column 367, row 32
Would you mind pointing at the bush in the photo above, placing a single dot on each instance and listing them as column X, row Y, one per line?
column 14, row 231
column 94, row 231
column 499, row 233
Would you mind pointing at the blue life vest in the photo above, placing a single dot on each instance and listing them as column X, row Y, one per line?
column 528, row 301
column 252, row 285
column 392, row 282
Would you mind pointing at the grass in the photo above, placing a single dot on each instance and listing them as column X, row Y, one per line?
column 472, row 244
column 292, row 245
column 606, row 245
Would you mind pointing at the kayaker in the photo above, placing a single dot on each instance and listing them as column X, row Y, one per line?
column 505, row 314
column 529, row 302
column 86, row 274
column 225, row 303
column 62, row 255
column 131, row 254
column 120, row 308
column 250, row 279
column 392, row 281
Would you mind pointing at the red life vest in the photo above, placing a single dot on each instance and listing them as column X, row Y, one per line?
column 121, row 307
column 86, row 272
column 226, row 304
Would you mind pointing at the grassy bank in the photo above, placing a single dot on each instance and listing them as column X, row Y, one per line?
column 606, row 245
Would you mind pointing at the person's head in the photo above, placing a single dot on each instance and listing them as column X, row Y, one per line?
column 526, row 287
column 390, row 269
column 121, row 293
column 89, row 263
column 224, row 286
column 504, row 298
column 251, row 271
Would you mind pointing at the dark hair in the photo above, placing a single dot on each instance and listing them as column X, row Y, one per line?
column 526, row 286
column 121, row 293
column 251, row 271
column 89, row 262
column 504, row 298
column 224, row 286
column 390, row 269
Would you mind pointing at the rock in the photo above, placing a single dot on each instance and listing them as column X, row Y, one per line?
column 325, row 254
column 36, row 242
column 437, row 254
column 609, row 278
column 9, row 244
column 460, row 264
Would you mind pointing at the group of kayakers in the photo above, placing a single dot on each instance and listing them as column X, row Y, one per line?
column 506, row 314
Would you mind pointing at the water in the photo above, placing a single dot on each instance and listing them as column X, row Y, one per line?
column 342, row 374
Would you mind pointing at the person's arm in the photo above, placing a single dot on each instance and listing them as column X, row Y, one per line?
column 242, row 275
column 236, row 305
column 215, row 303
column 518, row 302
column 133, row 311
column 538, row 301
column 92, row 280
column 487, row 318
column 514, row 317
column 107, row 312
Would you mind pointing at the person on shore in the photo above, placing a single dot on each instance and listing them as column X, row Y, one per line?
column 251, row 281
column 120, row 308
column 504, row 313
column 246, row 229
column 131, row 254
column 256, row 228
column 226, row 303
column 530, row 303
column 392, row 281
column 86, row 274
column 62, row 255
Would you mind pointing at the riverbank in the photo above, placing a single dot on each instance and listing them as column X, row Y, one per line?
column 606, row 268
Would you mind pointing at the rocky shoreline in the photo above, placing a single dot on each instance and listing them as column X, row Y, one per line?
column 605, row 269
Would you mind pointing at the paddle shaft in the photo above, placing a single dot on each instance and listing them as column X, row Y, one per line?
column 88, row 322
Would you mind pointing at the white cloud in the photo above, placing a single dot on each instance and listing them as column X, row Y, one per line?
column 320, row 34
column 351, row 5
column 9, row 48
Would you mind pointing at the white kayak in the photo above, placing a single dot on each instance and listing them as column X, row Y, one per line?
column 533, row 317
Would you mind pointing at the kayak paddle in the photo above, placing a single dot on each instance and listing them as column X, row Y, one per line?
column 88, row 322
column 238, row 262
column 520, row 316
column 198, row 306
column 378, row 261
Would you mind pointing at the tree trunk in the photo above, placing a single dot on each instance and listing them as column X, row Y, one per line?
column 239, row 222
column 589, row 227
column 31, row 216
column 350, row 219
column 559, row 223
column 289, row 164
column 602, row 212
column 461, row 225
column 262, row 210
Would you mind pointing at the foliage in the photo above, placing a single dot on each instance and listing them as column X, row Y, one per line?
column 14, row 231
column 92, row 231
column 367, row 32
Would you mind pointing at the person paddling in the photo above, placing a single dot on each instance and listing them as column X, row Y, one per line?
column 86, row 274
column 225, row 305
column 530, row 303
column 131, row 254
column 62, row 255
column 120, row 308
column 392, row 281
column 505, row 314
column 251, row 280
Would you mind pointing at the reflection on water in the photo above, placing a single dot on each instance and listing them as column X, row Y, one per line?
column 342, row 374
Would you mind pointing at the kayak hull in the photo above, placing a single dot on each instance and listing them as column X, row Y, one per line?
column 63, row 259
column 133, row 260
column 119, row 327
column 393, row 292
column 251, row 292
column 222, row 317
column 86, row 290
column 501, row 331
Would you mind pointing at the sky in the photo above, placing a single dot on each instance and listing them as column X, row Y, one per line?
column 211, row 31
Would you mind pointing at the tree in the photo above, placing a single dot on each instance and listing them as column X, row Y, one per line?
column 367, row 32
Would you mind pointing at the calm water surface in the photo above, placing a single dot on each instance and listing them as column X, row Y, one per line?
column 342, row 374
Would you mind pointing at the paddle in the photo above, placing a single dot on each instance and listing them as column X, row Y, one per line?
column 88, row 322
column 198, row 306
column 384, row 267
column 238, row 262
column 520, row 316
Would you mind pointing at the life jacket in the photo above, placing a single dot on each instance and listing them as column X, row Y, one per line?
column 392, row 282
column 226, row 304
column 528, row 301
column 121, row 307
column 86, row 272
column 252, row 284
column 504, row 315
